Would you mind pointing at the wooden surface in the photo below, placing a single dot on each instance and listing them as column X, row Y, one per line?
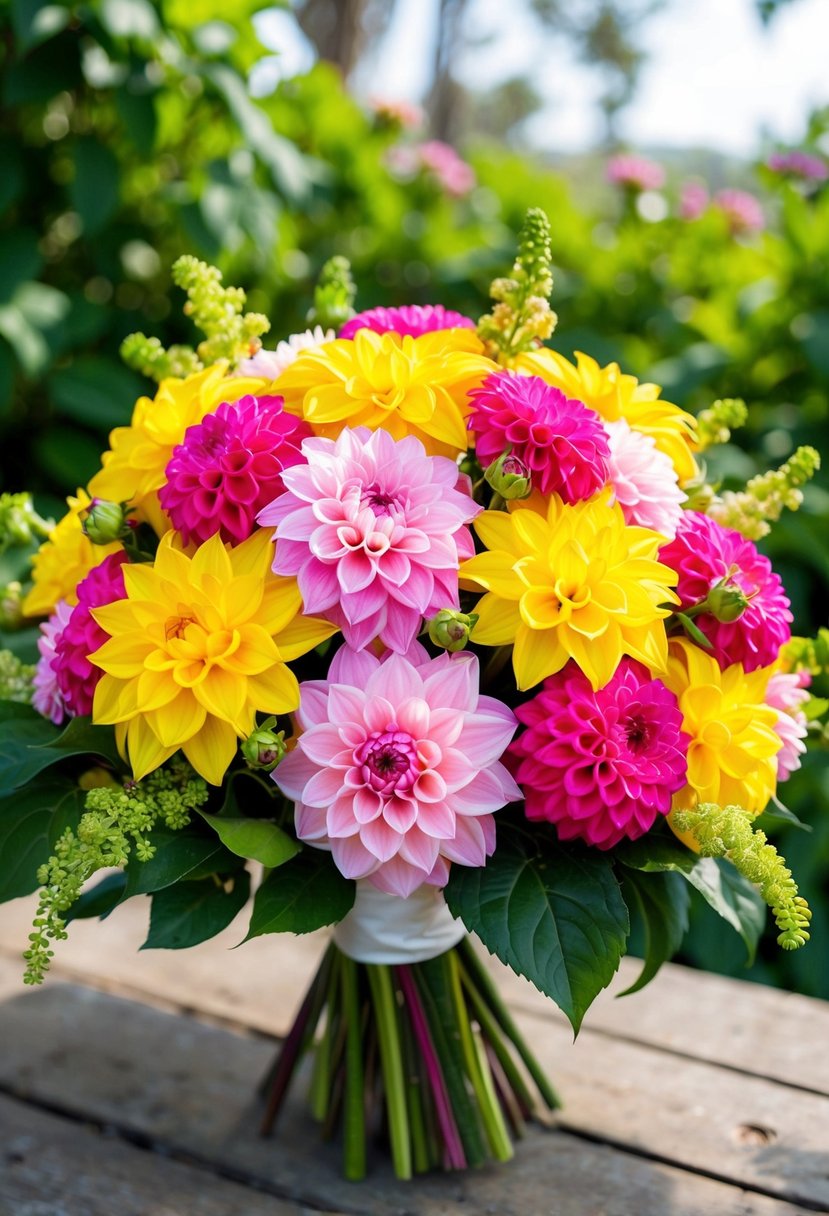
column 128, row 1088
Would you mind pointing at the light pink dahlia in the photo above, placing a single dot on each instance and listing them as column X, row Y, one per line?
column 560, row 440
column 635, row 172
column 602, row 766
column 47, row 698
column 269, row 364
column 787, row 692
column 397, row 770
column 374, row 530
column 81, row 635
column 413, row 319
column 230, row 466
column 693, row 201
column 705, row 554
column 645, row 483
column 741, row 209
column 800, row 164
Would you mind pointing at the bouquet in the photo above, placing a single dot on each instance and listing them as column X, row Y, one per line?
column 422, row 630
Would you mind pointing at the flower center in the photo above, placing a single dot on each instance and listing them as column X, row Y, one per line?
column 380, row 502
column 175, row 626
column 639, row 732
column 388, row 760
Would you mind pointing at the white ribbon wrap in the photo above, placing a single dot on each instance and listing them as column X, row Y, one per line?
column 382, row 928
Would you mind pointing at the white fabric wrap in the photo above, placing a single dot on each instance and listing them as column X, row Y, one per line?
column 382, row 928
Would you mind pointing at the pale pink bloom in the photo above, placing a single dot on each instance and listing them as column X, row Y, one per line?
column 644, row 480
column 397, row 110
column 374, row 530
column 786, row 693
column 635, row 172
column 269, row 364
column 693, row 201
column 453, row 174
column 47, row 697
column 397, row 770
column 741, row 209
column 797, row 163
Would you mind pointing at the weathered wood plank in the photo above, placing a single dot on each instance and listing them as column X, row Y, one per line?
column 58, row 1167
column 188, row 1086
column 88, row 1052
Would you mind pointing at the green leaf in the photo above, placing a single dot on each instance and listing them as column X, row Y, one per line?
column 94, row 189
column 258, row 839
column 20, row 258
column 191, row 912
column 35, row 21
column 556, row 917
column 30, row 823
column 304, row 894
column 662, row 900
column 138, row 114
column 67, row 456
column 188, row 853
column 30, row 323
column 100, row 899
column 96, row 392
column 30, row 745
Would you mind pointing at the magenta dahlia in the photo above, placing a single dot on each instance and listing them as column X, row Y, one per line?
column 81, row 636
column 706, row 555
column 229, row 466
column 374, row 530
column 413, row 319
column 46, row 697
column 602, row 766
column 397, row 770
column 560, row 440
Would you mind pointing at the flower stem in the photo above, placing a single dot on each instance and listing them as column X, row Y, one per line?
column 388, row 1033
column 354, row 1135
column 321, row 1077
column 493, row 1034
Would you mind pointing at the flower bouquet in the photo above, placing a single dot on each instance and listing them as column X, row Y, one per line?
column 424, row 631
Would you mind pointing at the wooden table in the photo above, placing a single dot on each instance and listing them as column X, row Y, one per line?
column 127, row 1088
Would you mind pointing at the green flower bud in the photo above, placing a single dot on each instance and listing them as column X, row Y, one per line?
column 726, row 602
column 11, row 606
column 450, row 629
column 264, row 747
column 104, row 522
column 509, row 477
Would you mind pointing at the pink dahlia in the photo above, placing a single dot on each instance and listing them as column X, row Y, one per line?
column 693, row 201
column 230, row 466
column 398, row 769
column 412, row 319
column 601, row 766
column 796, row 163
column 787, row 693
column 47, row 698
column 81, row 635
column 706, row 555
column 741, row 209
column 644, row 480
column 635, row 172
column 560, row 440
column 374, row 530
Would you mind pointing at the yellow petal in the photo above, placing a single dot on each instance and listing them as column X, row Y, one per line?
column 493, row 571
column 495, row 530
column 212, row 749
column 537, row 654
column 177, row 721
column 497, row 622
column 146, row 752
column 275, row 691
column 223, row 694
column 302, row 634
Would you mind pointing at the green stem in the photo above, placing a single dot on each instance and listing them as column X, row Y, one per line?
column 493, row 1033
column 415, row 1097
column 321, row 1077
column 388, row 1033
column 354, row 1134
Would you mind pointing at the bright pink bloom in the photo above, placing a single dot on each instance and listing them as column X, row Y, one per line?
column 442, row 161
column 704, row 554
column 374, row 530
column 644, row 480
column 786, row 693
column 230, row 466
column 601, row 766
column 693, row 201
column 398, row 769
column 805, row 165
column 741, row 209
column 560, row 440
column 413, row 319
column 47, row 698
column 635, row 172
column 81, row 635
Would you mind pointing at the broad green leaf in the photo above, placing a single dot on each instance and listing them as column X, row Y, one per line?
column 188, row 853
column 96, row 392
column 28, row 746
column 95, row 187
column 137, row 112
column 258, row 839
column 304, row 894
column 100, row 899
column 191, row 912
column 662, row 900
column 30, row 823
column 21, row 260
column 68, row 456
column 553, row 915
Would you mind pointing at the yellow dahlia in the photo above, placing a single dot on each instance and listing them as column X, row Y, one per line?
column 406, row 385
column 734, row 744
column 576, row 583
column 63, row 560
column 197, row 647
column 614, row 395
column 133, row 468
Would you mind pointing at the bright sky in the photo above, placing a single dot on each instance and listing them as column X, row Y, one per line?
column 715, row 76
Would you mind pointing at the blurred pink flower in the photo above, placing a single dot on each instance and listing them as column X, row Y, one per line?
column 692, row 201
column 635, row 172
column 796, row 163
column 47, row 698
column 644, row 480
column 398, row 111
column 786, row 693
column 741, row 209
column 437, row 158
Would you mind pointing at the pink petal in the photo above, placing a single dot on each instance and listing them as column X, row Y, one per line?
column 437, row 820
column 419, row 849
column 452, row 682
column 310, row 823
column 351, row 666
column 323, row 787
column 381, row 839
column 352, row 859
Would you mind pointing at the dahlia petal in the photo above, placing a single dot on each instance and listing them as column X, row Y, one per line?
column 381, row 839
column 323, row 787
column 352, row 858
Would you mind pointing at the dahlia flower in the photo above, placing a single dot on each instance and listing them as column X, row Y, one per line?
column 796, row 163
column 397, row 769
column 741, row 209
column 576, row 583
column 401, row 384
column 692, row 201
column 734, row 743
column 134, row 467
column 268, row 364
column 374, row 531
column 197, row 647
column 613, row 395
column 635, row 172
column 82, row 635
column 601, row 765
column 63, row 560
column 229, row 466
column 560, row 441
column 704, row 553
column 412, row 319
column 786, row 693
column 644, row 480
column 47, row 697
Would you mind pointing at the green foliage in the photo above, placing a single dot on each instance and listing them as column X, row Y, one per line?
column 31, row 823
column 257, row 839
column 29, row 745
column 306, row 893
column 661, row 901
column 190, row 912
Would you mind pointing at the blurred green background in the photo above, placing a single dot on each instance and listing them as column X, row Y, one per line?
column 130, row 134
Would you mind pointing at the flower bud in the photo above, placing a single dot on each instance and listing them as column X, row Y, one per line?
column 11, row 606
column 509, row 476
column 264, row 747
column 104, row 522
column 450, row 629
column 726, row 602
